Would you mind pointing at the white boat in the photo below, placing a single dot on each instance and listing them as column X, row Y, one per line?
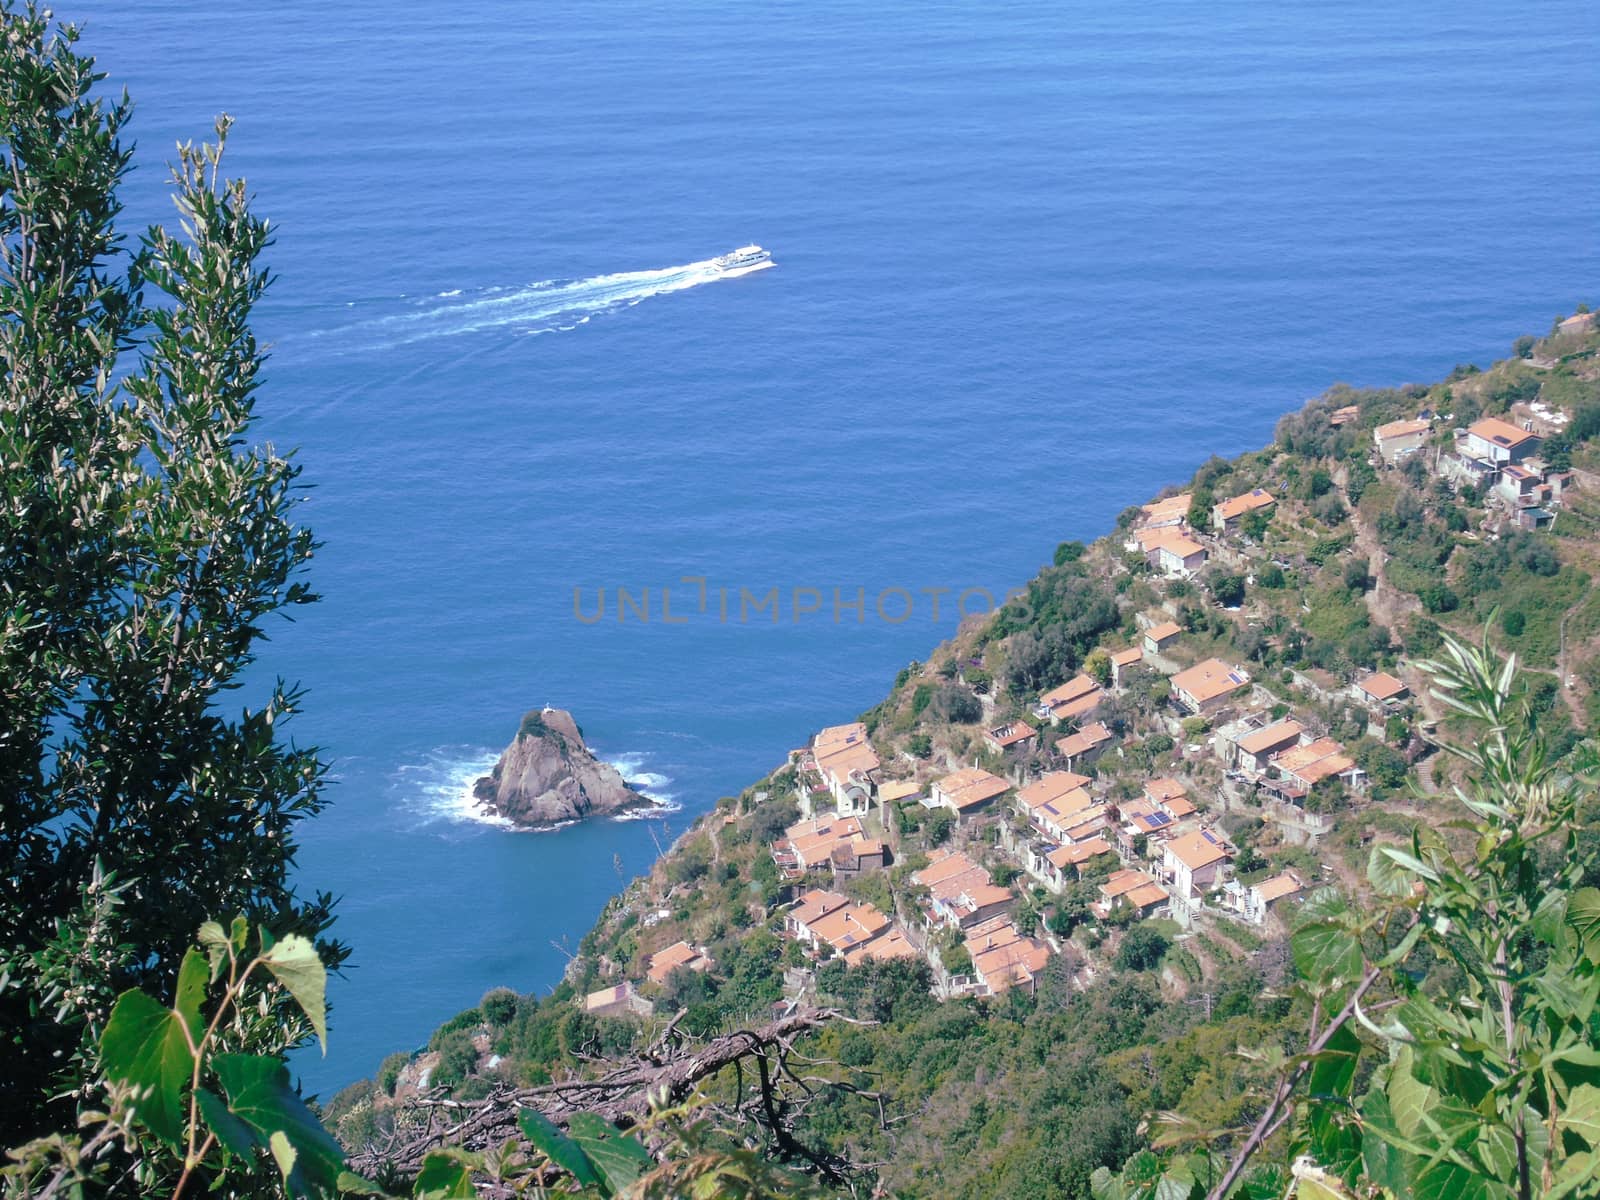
column 744, row 256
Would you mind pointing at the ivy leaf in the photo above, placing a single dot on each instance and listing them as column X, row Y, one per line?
column 144, row 1046
column 444, row 1176
column 260, row 1096
column 295, row 964
column 193, row 975
column 557, row 1147
column 619, row 1158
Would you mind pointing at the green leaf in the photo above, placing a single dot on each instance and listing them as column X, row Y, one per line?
column 619, row 1158
column 1386, row 876
column 260, row 1095
column 351, row 1184
column 557, row 1147
column 1582, row 1114
column 239, row 934
column 295, row 964
column 236, row 1137
column 193, row 975
column 1583, row 915
column 444, row 1176
column 1549, row 919
column 1411, row 863
column 1326, row 954
column 215, row 940
column 1578, row 1171
column 283, row 1154
column 144, row 1046
column 1409, row 1097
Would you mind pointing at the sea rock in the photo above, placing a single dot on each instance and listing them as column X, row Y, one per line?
column 547, row 776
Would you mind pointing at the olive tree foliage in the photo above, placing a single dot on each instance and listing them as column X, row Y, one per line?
column 144, row 542
column 1454, row 1043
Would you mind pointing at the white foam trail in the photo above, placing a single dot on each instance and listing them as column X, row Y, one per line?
column 544, row 307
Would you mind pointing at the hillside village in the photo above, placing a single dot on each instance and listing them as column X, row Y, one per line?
column 1220, row 747
column 1120, row 786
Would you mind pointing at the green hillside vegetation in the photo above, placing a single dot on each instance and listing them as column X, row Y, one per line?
column 1360, row 566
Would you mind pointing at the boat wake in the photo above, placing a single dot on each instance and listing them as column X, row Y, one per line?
column 437, row 791
column 550, row 306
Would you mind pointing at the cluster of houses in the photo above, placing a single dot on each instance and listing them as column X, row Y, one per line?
column 1163, row 535
column 1496, row 455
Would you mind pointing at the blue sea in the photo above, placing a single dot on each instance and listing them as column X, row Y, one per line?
column 1033, row 261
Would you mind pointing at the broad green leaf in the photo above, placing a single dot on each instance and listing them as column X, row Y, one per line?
column 443, row 1177
column 1103, row 1185
column 557, row 1147
column 1178, row 1183
column 236, row 1137
column 1326, row 954
column 1409, row 1097
column 1385, row 1165
column 619, row 1157
column 1549, row 919
column 1386, row 876
column 294, row 963
column 144, row 1047
column 193, row 975
column 1582, row 1114
column 260, row 1095
column 1583, row 915
column 239, row 934
column 1334, row 1068
column 1576, row 1177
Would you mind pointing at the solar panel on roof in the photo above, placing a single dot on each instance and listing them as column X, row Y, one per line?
column 1157, row 820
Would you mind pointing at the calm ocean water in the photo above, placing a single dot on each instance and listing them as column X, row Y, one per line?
column 1035, row 260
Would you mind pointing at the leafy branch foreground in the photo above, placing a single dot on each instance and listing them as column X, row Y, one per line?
column 1463, row 1059
column 183, row 1104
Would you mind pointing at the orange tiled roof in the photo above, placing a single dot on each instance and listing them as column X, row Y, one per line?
column 1199, row 849
column 971, row 786
column 1501, row 433
column 1050, row 786
column 1078, row 852
column 1075, row 688
column 1168, row 508
column 1315, row 761
column 1160, row 633
column 1280, row 734
column 1012, row 733
column 664, row 962
column 1249, row 502
column 1381, row 686
column 1210, row 679
column 1278, row 887
column 1397, row 429
column 1088, row 738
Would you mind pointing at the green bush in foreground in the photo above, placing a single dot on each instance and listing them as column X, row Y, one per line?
column 1487, row 1088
